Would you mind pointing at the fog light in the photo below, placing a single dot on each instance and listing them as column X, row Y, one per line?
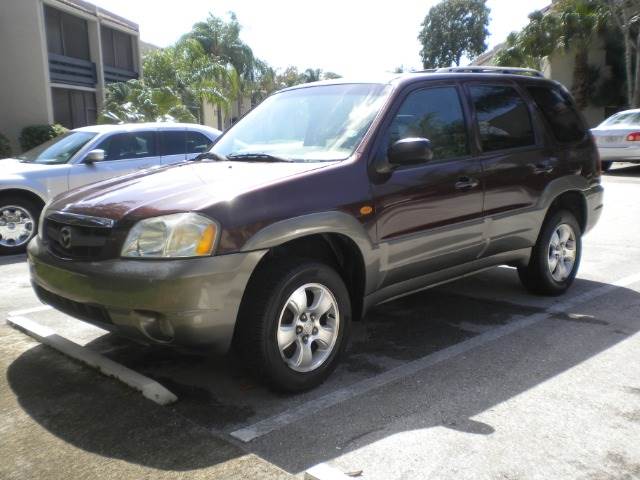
column 155, row 326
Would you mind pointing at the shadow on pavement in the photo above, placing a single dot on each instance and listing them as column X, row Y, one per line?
column 12, row 259
column 78, row 406
column 625, row 170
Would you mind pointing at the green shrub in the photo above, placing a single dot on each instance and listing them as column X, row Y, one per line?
column 35, row 135
column 5, row 148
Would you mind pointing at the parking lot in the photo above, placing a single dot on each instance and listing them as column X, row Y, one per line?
column 474, row 379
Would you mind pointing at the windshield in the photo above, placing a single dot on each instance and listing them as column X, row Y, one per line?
column 628, row 118
column 59, row 149
column 321, row 123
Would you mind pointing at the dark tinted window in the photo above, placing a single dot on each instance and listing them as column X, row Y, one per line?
column 73, row 108
column 435, row 114
column 197, row 142
column 503, row 117
column 117, row 48
column 66, row 34
column 560, row 113
column 122, row 146
column 172, row 143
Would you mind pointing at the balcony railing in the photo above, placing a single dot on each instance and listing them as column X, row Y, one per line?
column 113, row 74
column 74, row 71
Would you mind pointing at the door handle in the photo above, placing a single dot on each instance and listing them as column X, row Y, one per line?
column 542, row 168
column 466, row 183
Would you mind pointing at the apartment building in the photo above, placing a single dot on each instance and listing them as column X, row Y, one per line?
column 56, row 59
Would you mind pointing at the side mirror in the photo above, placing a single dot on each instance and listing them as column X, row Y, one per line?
column 96, row 155
column 410, row 151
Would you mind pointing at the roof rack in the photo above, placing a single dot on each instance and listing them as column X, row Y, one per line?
column 504, row 70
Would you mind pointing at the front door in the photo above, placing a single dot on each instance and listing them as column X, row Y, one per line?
column 430, row 215
column 124, row 153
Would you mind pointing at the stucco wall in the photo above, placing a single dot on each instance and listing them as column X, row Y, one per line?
column 24, row 88
column 560, row 66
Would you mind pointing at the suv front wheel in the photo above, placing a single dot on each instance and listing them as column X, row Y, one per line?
column 294, row 323
column 556, row 256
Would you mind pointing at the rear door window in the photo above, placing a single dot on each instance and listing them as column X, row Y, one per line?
column 560, row 113
column 435, row 114
column 503, row 118
column 172, row 142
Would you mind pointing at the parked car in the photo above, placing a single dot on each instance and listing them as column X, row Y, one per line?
column 322, row 202
column 618, row 138
column 86, row 155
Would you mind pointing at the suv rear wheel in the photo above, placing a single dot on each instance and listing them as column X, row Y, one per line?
column 18, row 223
column 556, row 256
column 294, row 323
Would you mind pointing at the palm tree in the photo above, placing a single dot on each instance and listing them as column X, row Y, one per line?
column 221, row 40
column 579, row 23
column 571, row 25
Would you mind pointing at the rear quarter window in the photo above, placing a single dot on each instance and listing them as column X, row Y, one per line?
column 559, row 111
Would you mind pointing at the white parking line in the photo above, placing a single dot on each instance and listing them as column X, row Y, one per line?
column 27, row 311
column 263, row 427
column 148, row 387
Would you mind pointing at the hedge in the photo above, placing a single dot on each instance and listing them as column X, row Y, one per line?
column 35, row 135
column 5, row 148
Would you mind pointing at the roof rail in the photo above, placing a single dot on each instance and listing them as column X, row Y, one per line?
column 504, row 70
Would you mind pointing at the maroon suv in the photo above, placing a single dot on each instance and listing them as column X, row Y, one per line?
column 325, row 200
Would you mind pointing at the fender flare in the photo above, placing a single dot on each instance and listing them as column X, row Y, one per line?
column 335, row 222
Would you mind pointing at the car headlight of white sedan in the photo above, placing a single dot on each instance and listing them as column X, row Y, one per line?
column 180, row 235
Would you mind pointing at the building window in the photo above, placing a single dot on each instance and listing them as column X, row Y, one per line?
column 66, row 34
column 117, row 48
column 73, row 108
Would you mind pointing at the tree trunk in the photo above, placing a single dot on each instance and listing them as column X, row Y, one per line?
column 628, row 64
column 635, row 99
column 580, row 88
column 219, row 111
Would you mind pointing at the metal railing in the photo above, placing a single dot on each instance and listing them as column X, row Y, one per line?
column 113, row 74
column 492, row 69
column 70, row 70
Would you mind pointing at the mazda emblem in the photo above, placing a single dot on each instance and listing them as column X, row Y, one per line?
column 65, row 237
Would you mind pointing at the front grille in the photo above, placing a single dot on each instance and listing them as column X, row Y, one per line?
column 83, row 311
column 76, row 237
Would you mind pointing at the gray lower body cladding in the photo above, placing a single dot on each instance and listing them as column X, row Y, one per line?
column 188, row 302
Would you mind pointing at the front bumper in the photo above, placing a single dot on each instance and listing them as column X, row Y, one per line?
column 190, row 302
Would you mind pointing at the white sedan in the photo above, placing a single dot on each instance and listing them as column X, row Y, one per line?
column 618, row 138
column 82, row 156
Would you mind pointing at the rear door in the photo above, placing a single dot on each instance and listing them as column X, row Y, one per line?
column 430, row 215
column 173, row 146
column 516, row 163
column 125, row 153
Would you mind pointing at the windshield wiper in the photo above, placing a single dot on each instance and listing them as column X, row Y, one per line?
column 210, row 156
column 256, row 157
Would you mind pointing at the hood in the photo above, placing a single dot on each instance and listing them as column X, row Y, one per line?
column 190, row 186
column 13, row 166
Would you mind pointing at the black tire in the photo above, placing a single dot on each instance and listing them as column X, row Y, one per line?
column 264, row 300
column 536, row 276
column 606, row 165
column 32, row 208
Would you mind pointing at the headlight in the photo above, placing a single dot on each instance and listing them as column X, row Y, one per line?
column 172, row 236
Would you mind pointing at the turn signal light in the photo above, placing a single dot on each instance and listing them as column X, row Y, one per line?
column 633, row 137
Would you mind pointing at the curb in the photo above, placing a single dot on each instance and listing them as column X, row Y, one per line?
column 148, row 387
column 324, row 471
